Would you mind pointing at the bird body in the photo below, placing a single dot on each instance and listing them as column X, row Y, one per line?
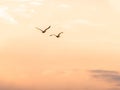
column 57, row 35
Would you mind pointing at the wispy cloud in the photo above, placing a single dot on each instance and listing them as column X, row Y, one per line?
column 104, row 71
column 57, row 83
column 115, row 5
column 106, row 75
column 27, row 9
column 36, row 3
column 6, row 16
column 19, row 8
column 64, row 6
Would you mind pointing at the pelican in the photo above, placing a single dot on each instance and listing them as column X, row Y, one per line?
column 43, row 31
column 57, row 35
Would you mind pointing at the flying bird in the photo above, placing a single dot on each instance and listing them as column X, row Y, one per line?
column 43, row 31
column 57, row 35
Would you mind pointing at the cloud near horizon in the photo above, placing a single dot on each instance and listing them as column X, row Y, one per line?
column 54, row 81
column 112, row 77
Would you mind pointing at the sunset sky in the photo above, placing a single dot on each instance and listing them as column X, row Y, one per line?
column 85, row 57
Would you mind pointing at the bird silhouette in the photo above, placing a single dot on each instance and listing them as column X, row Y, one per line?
column 57, row 35
column 43, row 31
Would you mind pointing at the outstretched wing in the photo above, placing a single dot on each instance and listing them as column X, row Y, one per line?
column 47, row 28
column 38, row 28
column 60, row 33
column 52, row 35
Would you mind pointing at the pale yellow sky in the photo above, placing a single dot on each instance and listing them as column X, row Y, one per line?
column 91, row 41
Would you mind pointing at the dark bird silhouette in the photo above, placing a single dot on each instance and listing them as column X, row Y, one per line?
column 57, row 35
column 43, row 31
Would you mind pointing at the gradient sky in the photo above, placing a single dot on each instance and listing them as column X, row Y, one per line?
column 85, row 57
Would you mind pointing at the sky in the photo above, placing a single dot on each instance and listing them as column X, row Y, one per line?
column 85, row 57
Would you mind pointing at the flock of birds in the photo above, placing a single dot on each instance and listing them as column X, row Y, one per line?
column 44, row 31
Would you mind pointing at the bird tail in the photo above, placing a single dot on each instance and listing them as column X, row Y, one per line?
column 50, row 35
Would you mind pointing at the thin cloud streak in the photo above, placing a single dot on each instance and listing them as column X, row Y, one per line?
column 107, row 75
column 6, row 16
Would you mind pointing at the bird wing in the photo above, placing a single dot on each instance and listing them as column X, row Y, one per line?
column 47, row 28
column 38, row 28
column 52, row 35
column 60, row 33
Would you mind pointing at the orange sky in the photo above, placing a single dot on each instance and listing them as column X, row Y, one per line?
column 30, row 60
